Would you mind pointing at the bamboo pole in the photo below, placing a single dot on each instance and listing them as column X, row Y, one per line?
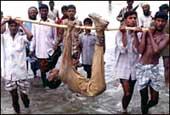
column 54, row 25
column 76, row 26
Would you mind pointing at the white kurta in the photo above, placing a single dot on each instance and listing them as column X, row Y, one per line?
column 126, row 57
column 145, row 21
column 44, row 39
column 53, row 14
column 13, row 56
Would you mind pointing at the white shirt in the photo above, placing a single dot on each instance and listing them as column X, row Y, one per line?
column 87, row 42
column 13, row 54
column 44, row 39
column 126, row 57
column 52, row 14
column 145, row 21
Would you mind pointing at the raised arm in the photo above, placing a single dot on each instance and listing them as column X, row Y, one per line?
column 33, row 41
column 136, row 42
column 124, row 37
column 119, row 45
column 60, row 34
column 162, row 44
column 120, row 16
column 27, row 32
column 142, row 45
column 3, row 24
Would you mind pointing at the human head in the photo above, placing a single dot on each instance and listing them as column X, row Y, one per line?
column 160, row 20
column 32, row 13
column 87, row 22
column 130, row 3
column 13, row 26
column 71, row 11
column 1, row 14
column 146, row 9
column 164, row 8
column 64, row 10
column 51, row 4
column 130, row 18
column 43, row 9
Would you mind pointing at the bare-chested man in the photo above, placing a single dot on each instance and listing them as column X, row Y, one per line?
column 147, row 70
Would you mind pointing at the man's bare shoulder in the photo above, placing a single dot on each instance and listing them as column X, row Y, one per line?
column 164, row 41
column 167, row 36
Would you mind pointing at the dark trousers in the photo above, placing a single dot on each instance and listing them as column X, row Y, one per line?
column 43, row 63
column 87, row 68
column 34, row 67
column 146, row 104
column 128, row 88
column 15, row 100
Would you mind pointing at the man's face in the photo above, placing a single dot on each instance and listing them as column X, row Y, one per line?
column 13, row 28
column 51, row 4
column 87, row 24
column 71, row 13
column 32, row 13
column 160, row 24
column 146, row 10
column 64, row 12
column 44, row 13
column 130, row 3
column 131, row 20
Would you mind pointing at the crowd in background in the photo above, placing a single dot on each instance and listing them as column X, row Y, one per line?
column 24, row 44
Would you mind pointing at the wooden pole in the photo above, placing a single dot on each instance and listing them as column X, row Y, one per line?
column 76, row 26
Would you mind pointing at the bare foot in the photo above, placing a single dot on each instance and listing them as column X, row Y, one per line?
column 101, row 25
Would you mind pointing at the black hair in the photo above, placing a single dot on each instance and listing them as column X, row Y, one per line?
column 64, row 7
column 71, row 7
column 11, row 21
column 161, row 14
column 164, row 7
column 88, row 20
column 129, row 13
column 43, row 6
column 51, row 1
column 130, row 0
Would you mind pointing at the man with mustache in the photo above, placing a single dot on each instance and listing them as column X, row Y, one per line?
column 147, row 70
column 146, row 19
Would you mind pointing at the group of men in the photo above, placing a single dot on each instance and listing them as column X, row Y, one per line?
column 137, row 51
column 44, row 42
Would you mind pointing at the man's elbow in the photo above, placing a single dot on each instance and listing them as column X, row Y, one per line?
column 156, row 50
column 139, row 50
column 119, row 19
column 30, row 37
column 3, row 29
